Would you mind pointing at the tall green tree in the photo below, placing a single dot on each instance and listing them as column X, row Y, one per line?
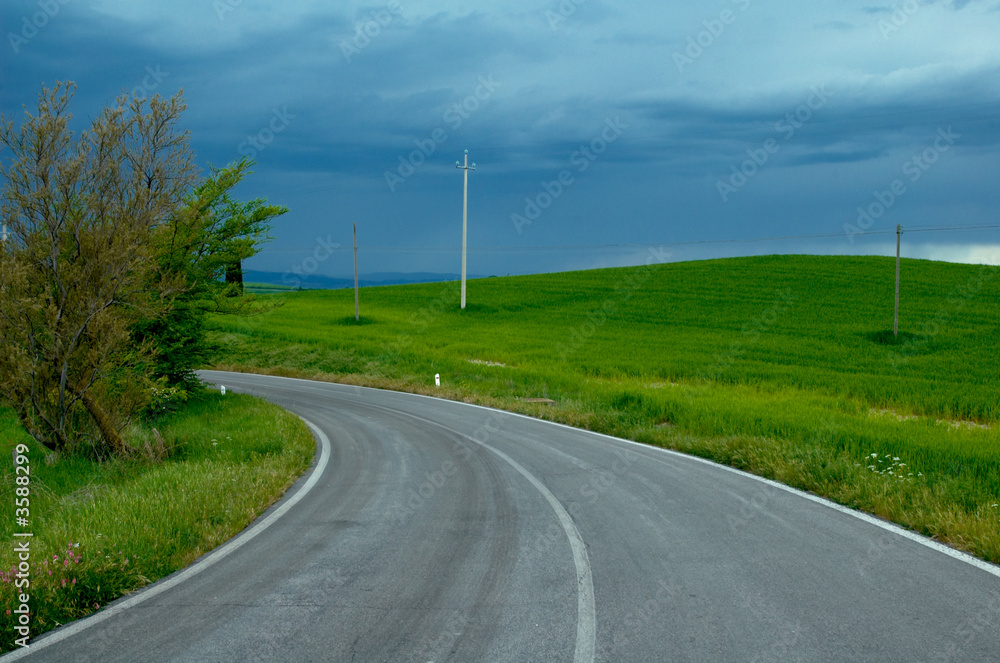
column 203, row 246
column 80, row 268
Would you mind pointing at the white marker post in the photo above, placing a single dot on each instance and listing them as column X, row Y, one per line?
column 437, row 379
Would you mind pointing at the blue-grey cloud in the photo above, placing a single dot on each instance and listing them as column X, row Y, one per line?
column 357, row 112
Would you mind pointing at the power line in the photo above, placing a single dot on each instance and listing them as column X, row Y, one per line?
column 624, row 246
column 923, row 229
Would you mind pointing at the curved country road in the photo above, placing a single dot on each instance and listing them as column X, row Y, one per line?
column 430, row 530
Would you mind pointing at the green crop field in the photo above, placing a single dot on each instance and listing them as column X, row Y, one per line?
column 782, row 365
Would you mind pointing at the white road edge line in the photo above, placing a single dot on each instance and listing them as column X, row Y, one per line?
column 959, row 555
column 586, row 611
column 217, row 555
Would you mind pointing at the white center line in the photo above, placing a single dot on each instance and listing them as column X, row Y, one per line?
column 586, row 620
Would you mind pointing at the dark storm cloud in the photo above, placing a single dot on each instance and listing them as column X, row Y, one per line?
column 359, row 111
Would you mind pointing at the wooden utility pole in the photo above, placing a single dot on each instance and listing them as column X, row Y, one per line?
column 465, row 215
column 357, row 314
column 895, row 322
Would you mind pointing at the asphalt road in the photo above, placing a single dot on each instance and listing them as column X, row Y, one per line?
column 430, row 530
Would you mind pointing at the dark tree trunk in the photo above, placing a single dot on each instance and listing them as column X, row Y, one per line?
column 104, row 424
column 53, row 441
column 234, row 274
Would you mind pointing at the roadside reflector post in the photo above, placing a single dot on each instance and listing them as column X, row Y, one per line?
column 437, row 379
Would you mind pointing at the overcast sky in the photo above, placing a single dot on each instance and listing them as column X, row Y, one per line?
column 598, row 128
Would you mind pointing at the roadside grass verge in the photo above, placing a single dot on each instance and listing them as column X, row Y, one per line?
column 779, row 365
column 102, row 530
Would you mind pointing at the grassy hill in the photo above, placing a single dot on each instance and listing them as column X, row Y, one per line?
column 782, row 365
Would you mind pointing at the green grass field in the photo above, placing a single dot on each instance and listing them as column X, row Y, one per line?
column 101, row 530
column 782, row 365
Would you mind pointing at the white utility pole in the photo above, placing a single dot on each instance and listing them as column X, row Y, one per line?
column 895, row 322
column 465, row 215
column 356, row 312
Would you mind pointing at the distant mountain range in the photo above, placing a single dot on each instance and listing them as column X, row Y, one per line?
column 319, row 281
